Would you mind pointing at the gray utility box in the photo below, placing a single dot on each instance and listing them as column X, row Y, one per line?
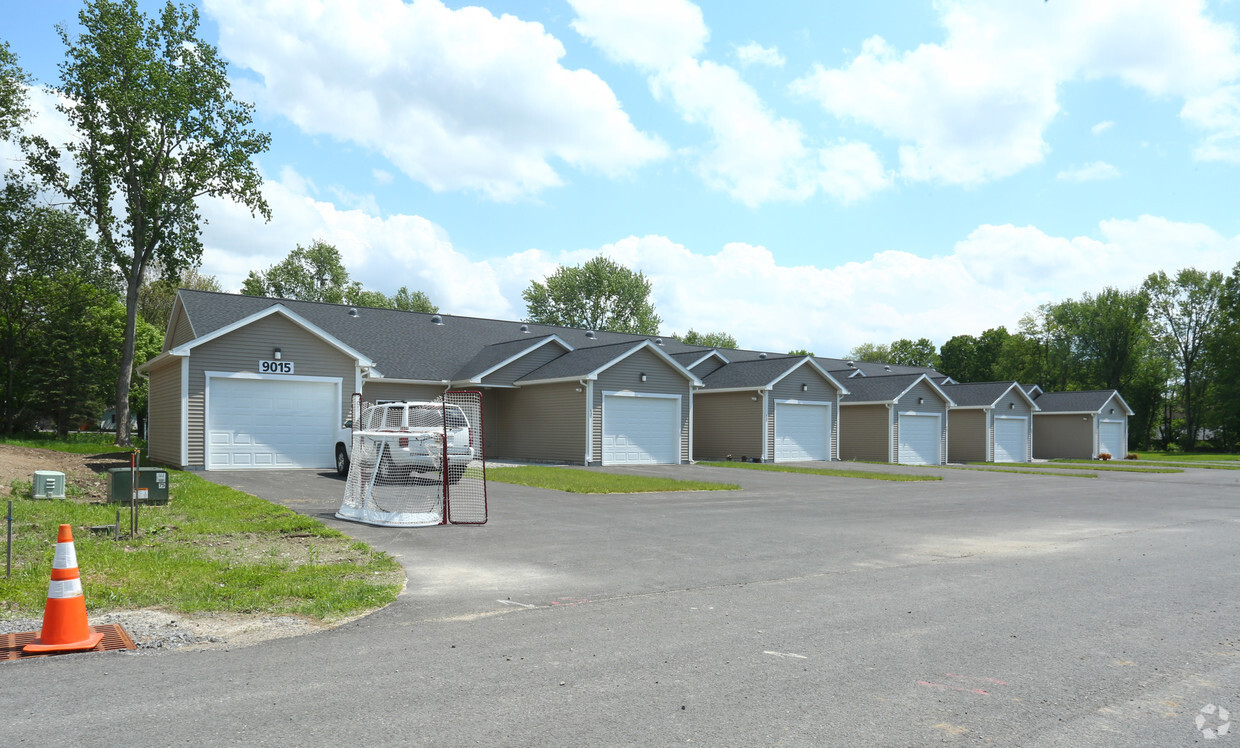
column 152, row 485
column 48, row 484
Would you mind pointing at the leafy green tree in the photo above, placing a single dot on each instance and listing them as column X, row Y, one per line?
column 412, row 302
column 874, row 353
column 313, row 273
column 13, row 82
column 155, row 128
column 1112, row 332
column 1223, row 350
column 707, row 339
column 921, row 352
column 1185, row 313
column 800, row 352
column 48, row 264
column 598, row 295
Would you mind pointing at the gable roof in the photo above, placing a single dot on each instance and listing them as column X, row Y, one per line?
column 761, row 374
column 888, row 389
column 984, row 394
column 588, row 363
column 690, row 359
column 1032, row 390
column 1088, row 401
column 498, row 355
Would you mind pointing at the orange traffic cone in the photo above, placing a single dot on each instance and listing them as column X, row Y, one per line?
column 65, row 628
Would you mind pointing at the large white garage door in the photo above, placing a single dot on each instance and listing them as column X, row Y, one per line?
column 271, row 423
column 1111, row 438
column 640, row 430
column 920, row 437
column 1011, row 437
column 802, row 431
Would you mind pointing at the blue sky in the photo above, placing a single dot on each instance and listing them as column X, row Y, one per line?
column 804, row 175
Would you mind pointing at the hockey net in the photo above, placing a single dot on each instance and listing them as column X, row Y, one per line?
column 417, row 463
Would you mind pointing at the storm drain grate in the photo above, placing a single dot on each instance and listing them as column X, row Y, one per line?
column 114, row 637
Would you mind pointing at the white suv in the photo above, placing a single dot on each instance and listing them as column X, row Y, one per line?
column 413, row 427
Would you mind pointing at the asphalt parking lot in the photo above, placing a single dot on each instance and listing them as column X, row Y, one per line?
column 806, row 610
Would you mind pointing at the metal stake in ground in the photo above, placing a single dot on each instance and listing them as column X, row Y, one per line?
column 133, row 494
column 8, row 546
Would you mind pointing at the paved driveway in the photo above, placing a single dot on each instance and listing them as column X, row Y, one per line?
column 988, row 607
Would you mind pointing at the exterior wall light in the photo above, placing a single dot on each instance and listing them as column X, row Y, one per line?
column 276, row 353
column 921, row 401
column 642, row 376
column 804, row 387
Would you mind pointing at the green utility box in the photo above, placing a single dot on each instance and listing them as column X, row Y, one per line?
column 152, row 485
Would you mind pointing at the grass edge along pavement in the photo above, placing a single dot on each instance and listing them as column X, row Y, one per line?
column 994, row 467
column 211, row 549
column 833, row 472
column 1150, row 465
column 1090, row 465
column 574, row 480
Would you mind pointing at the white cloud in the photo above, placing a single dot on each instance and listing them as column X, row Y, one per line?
column 991, row 277
column 456, row 99
column 752, row 53
column 382, row 176
column 1091, row 172
column 1102, row 127
column 976, row 107
column 754, row 155
column 652, row 34
column 1218, row 114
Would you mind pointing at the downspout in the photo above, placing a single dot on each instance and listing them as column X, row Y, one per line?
column 891, row 434
column 588, row 386
column 692, row 387
column 766, row 427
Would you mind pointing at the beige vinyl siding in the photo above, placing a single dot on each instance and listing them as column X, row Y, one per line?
column 934, row 403
column 625, row 377
column 242, row 349
column 865, row 432
column 708, row 366
column 524, row 365
column 374, row 390
column 545, row 423
column 491, row 420
column 729, row 423
column 179, row 331
column 968, row 435
column 789, row 388
column 1063, row 435
column 164, row 413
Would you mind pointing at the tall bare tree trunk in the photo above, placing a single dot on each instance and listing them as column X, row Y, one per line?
column 125, row 378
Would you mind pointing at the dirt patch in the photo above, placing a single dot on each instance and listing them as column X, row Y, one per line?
column 86, row 476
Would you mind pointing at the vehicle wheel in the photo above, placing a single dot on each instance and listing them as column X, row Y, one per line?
column 455, row 473
column 342, row 460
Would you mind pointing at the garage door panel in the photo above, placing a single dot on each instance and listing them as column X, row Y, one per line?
column 802, row 431
column 920, row 440
column 1111, row 438
column 271, row 423
column 640, row 430
column 1011, row 438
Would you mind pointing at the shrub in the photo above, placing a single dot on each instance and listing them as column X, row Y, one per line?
column 1130, row 456
column 1104, row 455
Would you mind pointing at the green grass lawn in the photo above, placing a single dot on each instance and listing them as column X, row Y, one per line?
column 986, row 468
column 211, row 549
column 1156, row 466
column 834, row 472
column 1187, row 456
column 81, row 443
column 575, row 480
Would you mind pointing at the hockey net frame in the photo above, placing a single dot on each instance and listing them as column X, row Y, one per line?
column 397, row 475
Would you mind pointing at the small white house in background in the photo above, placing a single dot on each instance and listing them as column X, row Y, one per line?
column 1080, row 425
column 990, row 422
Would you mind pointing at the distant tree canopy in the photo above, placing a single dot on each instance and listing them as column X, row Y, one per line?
column 159, row 292
column 600, row 294
column 800, row 352
column 707, row 339
column 902, row 352
column 317, row 273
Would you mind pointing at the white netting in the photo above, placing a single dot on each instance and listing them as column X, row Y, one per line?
column 399, row 452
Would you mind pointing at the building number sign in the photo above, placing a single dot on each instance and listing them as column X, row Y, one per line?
column 275, row 367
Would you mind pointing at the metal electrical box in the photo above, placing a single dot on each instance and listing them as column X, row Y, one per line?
column 152, row 485
column 48, row 484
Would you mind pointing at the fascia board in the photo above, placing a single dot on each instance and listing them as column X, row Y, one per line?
column 362, row 360
column 758, row 388
column 1117, row 396
column 947, row 398
column 868, row 402
column 158, row 361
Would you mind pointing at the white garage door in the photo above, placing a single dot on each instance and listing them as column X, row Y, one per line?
column 1011, row 436
column 801, row 431
column 1111, row 438
column 920, row 437
column 271, row 423
column 640, row 430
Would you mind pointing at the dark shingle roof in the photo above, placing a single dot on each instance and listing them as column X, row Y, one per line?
column 580, row 362
column 977, row 393
column 755, row 373
column 878, row 389
column 403, row 345
column 1090, row 401
column 497, row 353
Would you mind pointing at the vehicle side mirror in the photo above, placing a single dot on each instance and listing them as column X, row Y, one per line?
column 348, row 424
